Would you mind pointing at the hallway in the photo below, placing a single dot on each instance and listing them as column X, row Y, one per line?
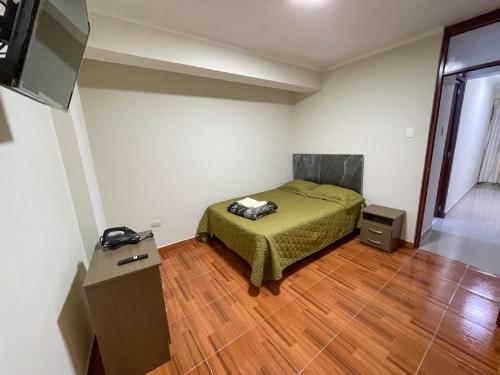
column 470, row 232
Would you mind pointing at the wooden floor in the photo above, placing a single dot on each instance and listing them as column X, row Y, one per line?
column 348, row 309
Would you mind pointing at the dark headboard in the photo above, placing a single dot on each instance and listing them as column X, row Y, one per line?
column 341, row 170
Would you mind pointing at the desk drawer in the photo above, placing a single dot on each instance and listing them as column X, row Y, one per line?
column 376, row 235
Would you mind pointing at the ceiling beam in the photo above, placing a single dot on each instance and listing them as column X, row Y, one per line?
column 124, row 42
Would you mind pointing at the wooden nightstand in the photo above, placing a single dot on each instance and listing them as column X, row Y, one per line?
column 381, row 227
column 128, row 309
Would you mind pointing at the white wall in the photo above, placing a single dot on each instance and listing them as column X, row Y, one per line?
column 437, row 156
column 71, row 131
column 124, row 42
column 82, row 139
column 365, row 108
column 42, row 318
column 471, row 140
column 167, row 145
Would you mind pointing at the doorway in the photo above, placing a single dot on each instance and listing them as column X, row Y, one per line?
column 463, row 208
column 455, row 202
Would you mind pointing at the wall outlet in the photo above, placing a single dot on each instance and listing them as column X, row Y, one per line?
column 155, row 223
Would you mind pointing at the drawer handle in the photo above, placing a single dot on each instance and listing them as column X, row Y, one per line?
column 375, row 231
column 375, row 242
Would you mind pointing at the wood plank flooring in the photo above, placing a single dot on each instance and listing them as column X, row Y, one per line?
column 347, row 309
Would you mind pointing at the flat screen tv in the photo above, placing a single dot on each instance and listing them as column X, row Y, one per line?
column 41, row 48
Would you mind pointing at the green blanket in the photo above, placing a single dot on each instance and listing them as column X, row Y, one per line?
column 301, row 226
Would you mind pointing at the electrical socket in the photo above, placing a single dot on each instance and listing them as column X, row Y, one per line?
column 155, row 223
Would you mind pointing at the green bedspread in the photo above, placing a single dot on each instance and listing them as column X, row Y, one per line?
column 301, row 226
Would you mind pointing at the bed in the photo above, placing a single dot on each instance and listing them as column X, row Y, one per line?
column 301, row 226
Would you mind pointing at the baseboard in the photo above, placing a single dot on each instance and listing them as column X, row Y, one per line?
column 177, row 245
column 406, row 244
column 459, row 200
column 426, row 231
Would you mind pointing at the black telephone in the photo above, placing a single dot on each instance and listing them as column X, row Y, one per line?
column 117, row 237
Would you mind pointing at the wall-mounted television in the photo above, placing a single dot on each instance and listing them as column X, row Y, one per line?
column 41, row 47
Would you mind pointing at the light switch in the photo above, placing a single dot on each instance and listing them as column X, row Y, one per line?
column 410, row 132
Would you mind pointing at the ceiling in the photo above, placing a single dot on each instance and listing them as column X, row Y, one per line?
column 312, row 33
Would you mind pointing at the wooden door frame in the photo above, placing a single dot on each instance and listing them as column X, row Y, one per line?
column 449, row 147
column 459, row 28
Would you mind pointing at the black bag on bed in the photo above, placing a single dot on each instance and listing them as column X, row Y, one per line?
column 252, row 213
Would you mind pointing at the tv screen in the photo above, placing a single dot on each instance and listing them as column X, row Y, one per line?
column 45, row 49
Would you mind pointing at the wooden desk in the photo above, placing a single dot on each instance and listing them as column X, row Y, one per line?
column 128, row 310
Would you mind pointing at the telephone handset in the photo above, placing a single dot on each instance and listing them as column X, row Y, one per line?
column 116, row 237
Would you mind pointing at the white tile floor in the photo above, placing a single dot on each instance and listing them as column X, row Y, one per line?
column 470, row 233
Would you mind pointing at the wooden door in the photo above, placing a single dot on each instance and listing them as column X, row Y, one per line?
column 449, row 148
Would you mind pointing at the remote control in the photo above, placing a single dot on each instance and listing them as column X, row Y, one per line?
column 132, row 259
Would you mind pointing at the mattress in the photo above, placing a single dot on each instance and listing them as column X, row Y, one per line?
column 301, row 226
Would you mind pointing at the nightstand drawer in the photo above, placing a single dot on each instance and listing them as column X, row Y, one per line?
column 376, row 235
